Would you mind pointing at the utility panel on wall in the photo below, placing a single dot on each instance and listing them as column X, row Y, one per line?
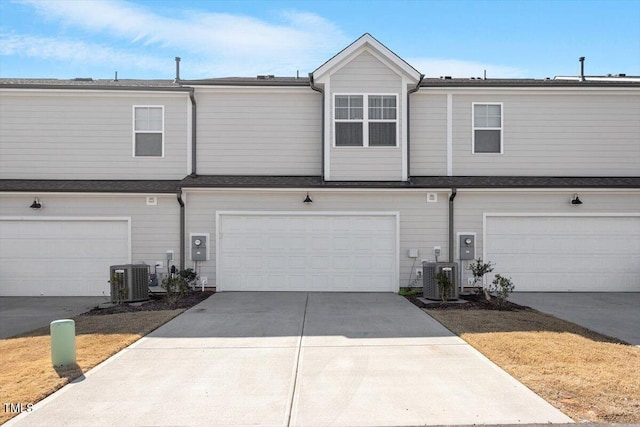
column 467, row 246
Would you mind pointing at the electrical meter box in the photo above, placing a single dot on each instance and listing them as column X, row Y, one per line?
column 198, row 248
column 467, row 246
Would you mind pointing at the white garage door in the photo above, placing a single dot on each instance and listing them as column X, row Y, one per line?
column 60, row 257
column 566, row 253
column 307, row 252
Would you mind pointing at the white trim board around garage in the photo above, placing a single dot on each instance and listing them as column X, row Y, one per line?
column 565, row 252
column 307, row 251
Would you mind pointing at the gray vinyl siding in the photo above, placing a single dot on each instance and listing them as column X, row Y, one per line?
column 154, row 229
column 87, row 135
column 259, row 132
column 470, row 207
column 553, row 134
column 372, row 163
column 422, row 225
column 365, row 74
column 428, row 145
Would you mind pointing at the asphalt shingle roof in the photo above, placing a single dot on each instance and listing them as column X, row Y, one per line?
column 208, row 181
column 89, row 186
column 256, row 181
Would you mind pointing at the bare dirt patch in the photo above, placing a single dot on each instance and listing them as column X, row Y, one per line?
column 27, row 375
column 588, row 376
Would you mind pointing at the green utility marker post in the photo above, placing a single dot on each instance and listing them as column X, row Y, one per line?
column 63, row 342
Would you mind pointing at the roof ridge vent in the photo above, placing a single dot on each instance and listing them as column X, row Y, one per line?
column 265, row 76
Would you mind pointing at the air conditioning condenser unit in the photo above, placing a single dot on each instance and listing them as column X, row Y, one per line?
column 430, row 270
column 129, row 282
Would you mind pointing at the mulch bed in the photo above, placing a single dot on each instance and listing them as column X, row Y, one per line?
column 156, row 304
column 474, row 302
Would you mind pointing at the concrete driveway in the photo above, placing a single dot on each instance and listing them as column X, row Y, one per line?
column 616, row 314
column 296, row 359
column 24, row 314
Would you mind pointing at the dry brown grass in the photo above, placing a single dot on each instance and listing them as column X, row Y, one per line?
column 586, row 375
column 27, row 375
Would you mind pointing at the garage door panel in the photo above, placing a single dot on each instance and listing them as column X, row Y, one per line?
column 520, row 243
column 321, row 252
column 60, row 257
column 566, row 253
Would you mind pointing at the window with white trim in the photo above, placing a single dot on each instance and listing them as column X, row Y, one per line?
column 373, row 126
column 487, row 128
column 148, row 131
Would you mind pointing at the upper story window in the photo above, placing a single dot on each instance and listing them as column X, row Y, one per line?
column 148, row 131
column 487, row 128
column 373, row 126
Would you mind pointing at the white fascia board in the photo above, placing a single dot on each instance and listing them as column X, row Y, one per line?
column 309, row 213
column 313, row 190
column 521, row 90
column 93, row 92
column 81, row 193
column 562, row 214
column 551, row 190
column 376, row 48
column 65, row 218
column 254, row 89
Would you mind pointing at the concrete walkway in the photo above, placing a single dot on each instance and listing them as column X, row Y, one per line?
column 24, row 314
column 296, row 359
column 616, row 314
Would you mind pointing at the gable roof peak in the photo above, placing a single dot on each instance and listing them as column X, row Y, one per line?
column 366, row 41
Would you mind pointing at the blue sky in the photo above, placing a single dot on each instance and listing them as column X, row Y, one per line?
column 139, row 39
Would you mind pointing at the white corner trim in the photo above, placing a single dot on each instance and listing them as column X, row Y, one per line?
column 449, row 134
column 189, row 134
column 404, row 143
column 328, row 126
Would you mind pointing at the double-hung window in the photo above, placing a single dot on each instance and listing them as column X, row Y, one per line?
column 148, row 131
column 487, row 128
column 372, row 126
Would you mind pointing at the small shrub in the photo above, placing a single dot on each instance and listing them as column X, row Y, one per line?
column 502, row 288
column 479, row 269
column 118, row 288
column 176, row 286
column 444, row 286
column 189, row 275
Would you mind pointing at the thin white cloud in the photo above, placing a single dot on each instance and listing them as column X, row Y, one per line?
column 435, row 67
column 214, row 44
column 50, row 48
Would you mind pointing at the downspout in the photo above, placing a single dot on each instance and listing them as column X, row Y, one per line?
column 415, row 89
column 321, row 91
column 182, row 228
column 454, row 191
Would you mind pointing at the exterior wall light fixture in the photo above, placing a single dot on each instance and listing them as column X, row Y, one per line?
column 576, row 200
column 36, row 204
column 307, row 199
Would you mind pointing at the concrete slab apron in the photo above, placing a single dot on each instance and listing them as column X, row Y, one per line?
column 228, row 361
column 377, row 360
column 296, row 359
